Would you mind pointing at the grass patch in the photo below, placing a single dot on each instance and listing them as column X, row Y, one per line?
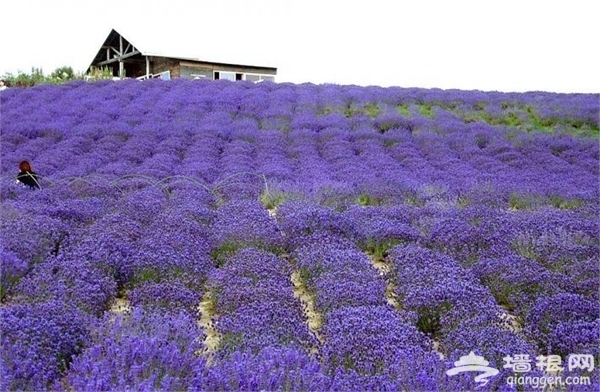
column 524, row 202
column 222, row 253
column 371, row 109
column 380, row 249
column 389, row 143
column 426, row 110
column 271, row 199
column 364, row 199
column 565, row 204
column 404, row 110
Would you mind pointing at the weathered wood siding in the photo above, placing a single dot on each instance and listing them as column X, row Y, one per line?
column 190, row 69
column 162, row 64
column 190, row 72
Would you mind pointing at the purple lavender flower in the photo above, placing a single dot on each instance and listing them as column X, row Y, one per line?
column 564, row 323
column 145, row 350
column 33, row 237
column 12, row 270
column 369, row 339
column 516, row 282
column 165, row 296
column 38, row 343
column 300, row 219
column 272, row 368
column 241, row 224
column 74, row 281
column 255, row 303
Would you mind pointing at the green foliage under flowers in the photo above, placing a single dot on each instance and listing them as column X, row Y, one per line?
column 379, row 249
column 58, row 76
column 228, row 249
column 521, row 202
column 364, row 199
column 154, row 275
column 272, row 199
column 404, row 110
column 565, row 204
column 222, row 253
column 231, row 342
column 429, row 318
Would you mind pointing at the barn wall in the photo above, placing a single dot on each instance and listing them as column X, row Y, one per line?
column 136, row 67
column 241, row 69
column 191, row 72
column 190, row 69
column 162, row 64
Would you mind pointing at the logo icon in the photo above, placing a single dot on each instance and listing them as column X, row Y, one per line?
column 474, row 363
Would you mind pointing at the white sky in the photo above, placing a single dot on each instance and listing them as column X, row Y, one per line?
column 504, row 45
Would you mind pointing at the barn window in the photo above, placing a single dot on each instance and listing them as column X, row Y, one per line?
column 166, row 75
column 224, row 75
column 256, row 78
column 239, row 76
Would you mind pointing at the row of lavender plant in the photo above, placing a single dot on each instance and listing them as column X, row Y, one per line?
column 64, row 261
column 455, row 308
column 248, row 223
column 365, row 344
column 257, row 311
column 446, row 160
column 527, row 260
column 263, row 339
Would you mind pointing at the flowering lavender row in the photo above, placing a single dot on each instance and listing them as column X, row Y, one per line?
column 377, row 229
column 565, row 323
column 453, row 306
column 142, row 351
column 329, row 146
column 367, row 344
column 38, row 342
column 255, row 304
column 243, row 223
column 338, row 273
column 447, row 298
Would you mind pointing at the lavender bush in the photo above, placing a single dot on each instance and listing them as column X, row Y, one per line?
column 38, row 343
column 147, row 350
column 11, row 270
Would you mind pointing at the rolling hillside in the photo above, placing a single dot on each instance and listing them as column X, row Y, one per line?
column 215, row 235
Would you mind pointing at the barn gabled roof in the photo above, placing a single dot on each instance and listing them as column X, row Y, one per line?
column 116, row 46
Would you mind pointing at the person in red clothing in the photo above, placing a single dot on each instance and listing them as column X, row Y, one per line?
column 27, row 177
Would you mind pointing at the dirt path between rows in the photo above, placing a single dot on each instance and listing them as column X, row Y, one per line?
column 207, row 315
column 313, row 317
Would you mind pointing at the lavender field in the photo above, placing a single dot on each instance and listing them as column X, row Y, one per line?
column 216, row 236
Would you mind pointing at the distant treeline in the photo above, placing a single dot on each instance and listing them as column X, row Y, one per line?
column 59, row 76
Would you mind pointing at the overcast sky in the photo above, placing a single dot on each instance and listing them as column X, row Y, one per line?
column 504, row 45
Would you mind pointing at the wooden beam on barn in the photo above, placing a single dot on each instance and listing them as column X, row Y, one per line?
column 119, row 58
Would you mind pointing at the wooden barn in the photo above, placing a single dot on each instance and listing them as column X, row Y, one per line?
column 129, row 60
